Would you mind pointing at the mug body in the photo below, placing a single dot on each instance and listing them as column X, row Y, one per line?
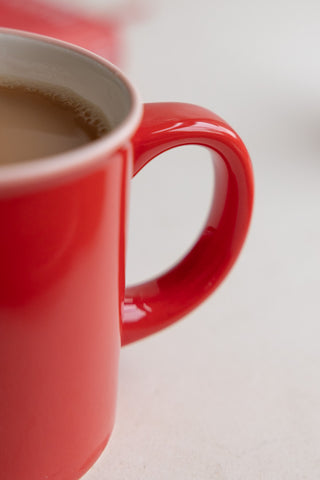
column 62, row 245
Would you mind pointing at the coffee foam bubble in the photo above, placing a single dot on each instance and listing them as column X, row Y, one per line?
column 86, row 113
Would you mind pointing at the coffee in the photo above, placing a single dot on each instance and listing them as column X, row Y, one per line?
column 37, row 121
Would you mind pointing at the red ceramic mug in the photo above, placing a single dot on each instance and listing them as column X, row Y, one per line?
column 64, row 310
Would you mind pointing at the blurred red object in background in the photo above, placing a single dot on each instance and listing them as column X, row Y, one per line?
column 101, row 35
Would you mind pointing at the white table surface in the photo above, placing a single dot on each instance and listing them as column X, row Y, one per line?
column 232, row 392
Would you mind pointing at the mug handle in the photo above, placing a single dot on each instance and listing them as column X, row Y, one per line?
column 153, row 305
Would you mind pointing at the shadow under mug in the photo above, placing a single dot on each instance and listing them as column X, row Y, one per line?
column 64, row 309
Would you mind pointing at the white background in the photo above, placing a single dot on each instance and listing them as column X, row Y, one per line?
column 232, row 392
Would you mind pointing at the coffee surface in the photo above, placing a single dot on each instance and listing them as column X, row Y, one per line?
column 37, row 121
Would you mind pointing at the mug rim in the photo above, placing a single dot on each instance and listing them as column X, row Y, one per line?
column 86, row 156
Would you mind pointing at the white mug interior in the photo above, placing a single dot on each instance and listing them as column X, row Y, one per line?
column 32, row 58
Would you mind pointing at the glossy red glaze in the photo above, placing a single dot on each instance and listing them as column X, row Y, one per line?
column 61, row 288
column 158, row 303
column 63, row 313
